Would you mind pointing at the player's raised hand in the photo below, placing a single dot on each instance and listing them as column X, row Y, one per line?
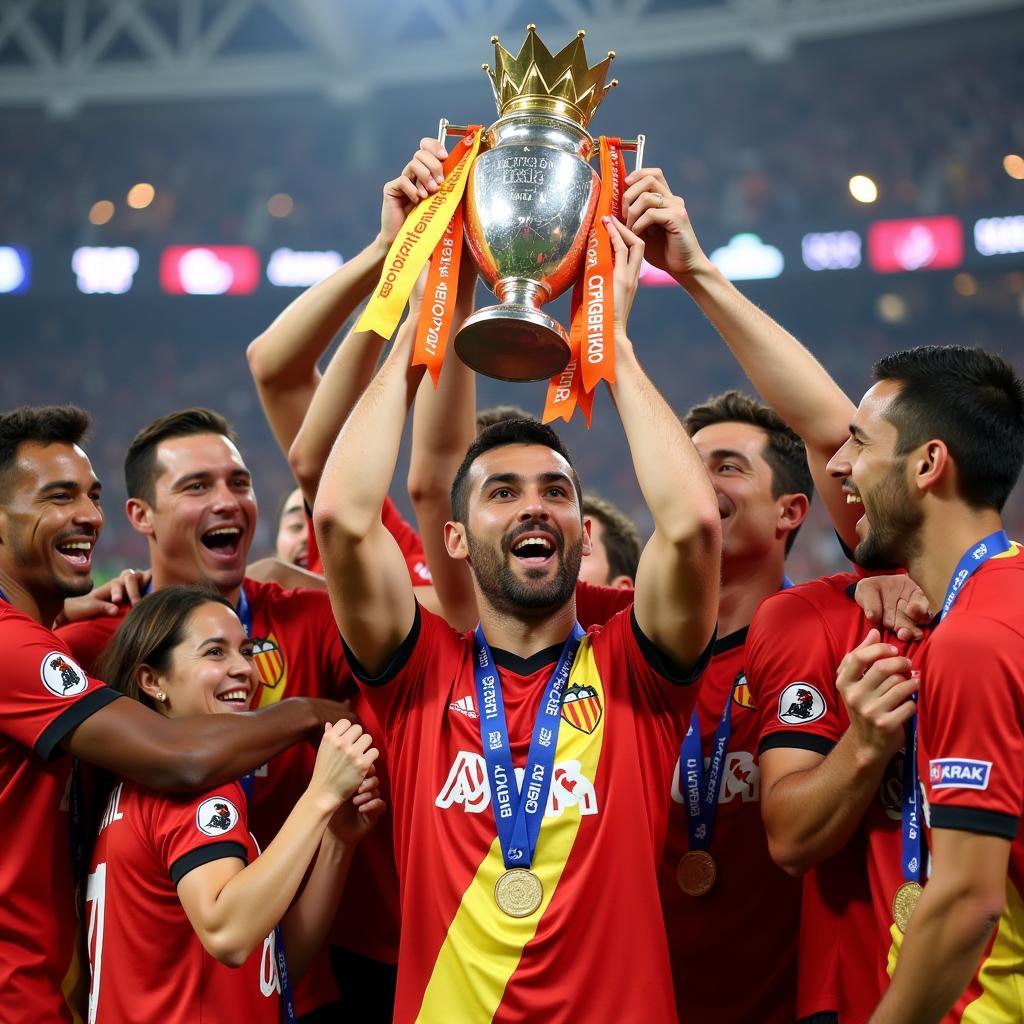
column 660, row 218
column 877, row 687
column 628, row 260
column 345, row 755
column 421, row 177
column 895, row 602
column 355, row 817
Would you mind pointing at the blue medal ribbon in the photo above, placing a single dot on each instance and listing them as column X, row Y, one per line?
column 913, row 853
column 702, row 788
column 701, row 806
column 518, row 813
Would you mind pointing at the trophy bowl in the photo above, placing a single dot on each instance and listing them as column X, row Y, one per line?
column 531, row 198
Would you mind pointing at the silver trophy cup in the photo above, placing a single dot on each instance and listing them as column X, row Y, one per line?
column 530, row 201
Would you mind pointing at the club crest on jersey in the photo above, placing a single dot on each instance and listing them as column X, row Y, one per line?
column 269, row 662
column 61, row 676
column 800, row 704
column 741, row 693
column 581, row 707
column 216, row 816
column 959, row 773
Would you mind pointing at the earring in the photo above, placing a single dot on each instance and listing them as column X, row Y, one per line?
column 161, row 696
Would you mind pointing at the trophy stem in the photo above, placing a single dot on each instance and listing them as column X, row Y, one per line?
column 516, row 340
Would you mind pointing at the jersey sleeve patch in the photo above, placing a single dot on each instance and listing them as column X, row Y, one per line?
column 800, row 704
column 62, row 676
column 958, row 773
column 216, row 816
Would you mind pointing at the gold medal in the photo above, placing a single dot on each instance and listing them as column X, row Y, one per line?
column 903, row 903
column 518, row 892
column 696, row 872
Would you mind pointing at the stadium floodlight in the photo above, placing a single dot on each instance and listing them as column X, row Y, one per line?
column 999, row 236
column 747, row 258
column 831, row 250
column 105, row 270
column 15, row 269
column 290, row 268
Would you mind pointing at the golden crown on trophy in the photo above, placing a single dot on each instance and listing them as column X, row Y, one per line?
column 535, row 80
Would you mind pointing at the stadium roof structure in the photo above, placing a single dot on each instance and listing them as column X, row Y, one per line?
column 62, row 55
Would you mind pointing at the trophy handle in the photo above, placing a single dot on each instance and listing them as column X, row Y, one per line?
column 629, row 145
column 446, row 128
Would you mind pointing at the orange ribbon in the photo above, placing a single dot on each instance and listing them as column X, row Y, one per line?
column 592, row 332
column 438, row 310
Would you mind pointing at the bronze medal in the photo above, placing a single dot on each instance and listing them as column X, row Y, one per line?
column 903, row 903
column 696, row 872
column 518, row 892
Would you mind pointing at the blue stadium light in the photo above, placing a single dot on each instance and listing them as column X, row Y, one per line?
column 15, row 269
column 747, row 258
column 831, row 250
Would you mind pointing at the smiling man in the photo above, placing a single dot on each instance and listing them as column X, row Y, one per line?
column 50, row 520
column 190, row 495
column 935, row 448
column 533, row 900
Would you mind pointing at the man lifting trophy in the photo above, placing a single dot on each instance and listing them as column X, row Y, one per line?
column 523, row 195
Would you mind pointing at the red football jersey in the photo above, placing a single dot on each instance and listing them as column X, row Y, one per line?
column 595, row 950
column 734, row 948
column 971, row 756
column 298, row 653
column 44, row 696
column 796, row 642
column 408, row 540
column 147, row 963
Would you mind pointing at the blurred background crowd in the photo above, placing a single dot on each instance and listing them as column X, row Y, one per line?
column 931, row 116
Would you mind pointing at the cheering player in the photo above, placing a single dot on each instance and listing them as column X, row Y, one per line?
column 935, row 448
column 526, row 924
column 187, row 866
column 191, row 497
column 50, row 520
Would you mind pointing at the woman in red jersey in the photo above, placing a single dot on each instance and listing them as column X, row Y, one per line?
column 182, row 908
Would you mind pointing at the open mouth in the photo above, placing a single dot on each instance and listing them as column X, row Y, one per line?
column 223, row 541
column 77, row 552
column 534, row 549
column 238, row 697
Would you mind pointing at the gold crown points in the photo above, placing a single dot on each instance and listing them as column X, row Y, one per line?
column 562, row 83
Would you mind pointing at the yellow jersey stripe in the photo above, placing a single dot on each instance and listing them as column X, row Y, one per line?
column 483, row 946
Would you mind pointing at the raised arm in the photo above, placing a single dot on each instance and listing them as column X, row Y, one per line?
column 782, row 370
column 130, row 739
column 283, row 359
column 367, row 577
column 676, row 600
column 232, row 906
column 443, row 428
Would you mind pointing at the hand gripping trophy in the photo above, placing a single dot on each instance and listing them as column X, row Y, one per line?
column 529, row 204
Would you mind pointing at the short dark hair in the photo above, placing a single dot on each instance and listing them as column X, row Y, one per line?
column 972, row 400
column 498, row 435
column 149, row 635
column 37, row 424
column 619, row 534
column 783, row 451
column 496, row 413
column 140, row 469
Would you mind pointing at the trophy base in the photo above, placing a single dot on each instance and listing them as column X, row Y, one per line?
column 513, row 343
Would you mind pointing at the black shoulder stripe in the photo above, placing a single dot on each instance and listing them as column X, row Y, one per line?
column 975, row 819
column 206, row 855
column 798, row 741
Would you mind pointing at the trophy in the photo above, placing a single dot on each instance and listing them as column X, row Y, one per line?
column 529, row 205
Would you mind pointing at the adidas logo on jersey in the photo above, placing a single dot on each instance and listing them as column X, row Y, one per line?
column 464, row 706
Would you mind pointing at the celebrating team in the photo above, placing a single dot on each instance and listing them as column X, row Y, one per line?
column 557, row 776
